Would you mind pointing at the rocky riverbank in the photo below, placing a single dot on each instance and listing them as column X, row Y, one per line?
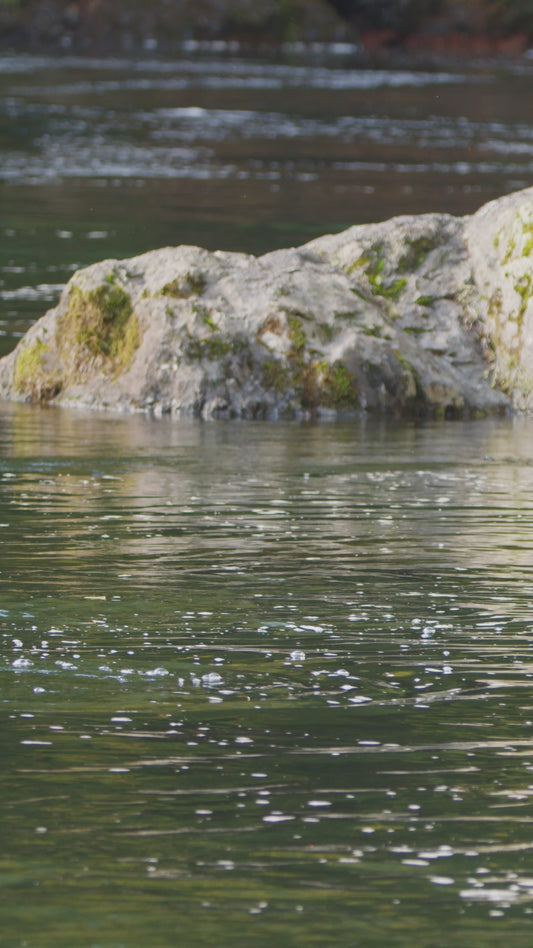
column 424, row 315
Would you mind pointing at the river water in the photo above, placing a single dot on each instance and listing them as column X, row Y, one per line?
column 259, row 681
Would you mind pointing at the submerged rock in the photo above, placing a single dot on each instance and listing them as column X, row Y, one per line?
column 417, row 315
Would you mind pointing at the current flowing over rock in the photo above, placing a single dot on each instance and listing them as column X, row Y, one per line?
column 420, row 315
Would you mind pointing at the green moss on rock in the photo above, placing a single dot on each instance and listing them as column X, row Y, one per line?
column 276, row 375
column 524, row 288
column 373, row 264
column 191, row 284
column 415, row 254
column 205, row 316
column 511, row 247
column 31, row 377
column 527, row 230
column 98, row 330
column 340, row 386
column 215, row 347
column 296, row 335
column 392, row 290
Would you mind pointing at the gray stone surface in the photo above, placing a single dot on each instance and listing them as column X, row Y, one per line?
column 417, row 315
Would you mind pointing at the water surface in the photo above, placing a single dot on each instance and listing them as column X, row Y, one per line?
column 265, row 681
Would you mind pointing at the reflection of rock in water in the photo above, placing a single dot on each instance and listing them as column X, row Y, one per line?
column 426, row 315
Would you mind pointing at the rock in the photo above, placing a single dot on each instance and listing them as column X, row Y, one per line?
column 426, row 315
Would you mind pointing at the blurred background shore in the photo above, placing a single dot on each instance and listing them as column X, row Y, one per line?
column 472, row 27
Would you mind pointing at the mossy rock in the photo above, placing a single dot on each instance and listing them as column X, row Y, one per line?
column 99, row 330
column 339, row 385
column 373, row 264
column 31, row 376
column 415, row 254
column 191, row 284
column 275, row 375
column 213, row 348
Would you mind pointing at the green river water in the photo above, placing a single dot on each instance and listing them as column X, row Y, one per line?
column 265, row 682
column 259, row 682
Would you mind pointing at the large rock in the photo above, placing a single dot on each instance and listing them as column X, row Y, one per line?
column 417, row 315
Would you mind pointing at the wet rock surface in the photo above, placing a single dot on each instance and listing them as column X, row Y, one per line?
column 423, row 315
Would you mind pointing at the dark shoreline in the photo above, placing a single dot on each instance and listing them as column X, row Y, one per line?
column 130, row 27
